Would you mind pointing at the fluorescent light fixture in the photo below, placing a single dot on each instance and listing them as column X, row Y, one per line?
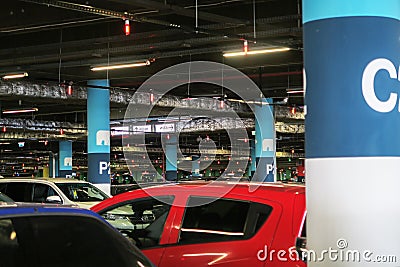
column 294, row 91
column 15, row 111
column 121, row 66
column 15, row 75
column 249, row 101
column 189, row 98
column 255, row 52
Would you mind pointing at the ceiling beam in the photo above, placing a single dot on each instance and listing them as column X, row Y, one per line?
column 99, row 11
column 133, row 17
column 182, row 11
column 153, row 51
column 147, row 35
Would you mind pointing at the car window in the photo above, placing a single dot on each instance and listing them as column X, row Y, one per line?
column 5, row 198
column 141, row 220
column 211, row 220
column 20, row 192
column 81, row 192
column 41, row 192
column 64, row 241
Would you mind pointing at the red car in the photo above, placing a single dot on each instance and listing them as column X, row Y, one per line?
column 212, row 224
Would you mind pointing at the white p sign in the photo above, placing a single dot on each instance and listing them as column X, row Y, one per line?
column 103, row 166
column 270, row 167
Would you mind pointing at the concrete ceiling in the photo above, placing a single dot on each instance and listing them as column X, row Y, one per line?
column 57, row 42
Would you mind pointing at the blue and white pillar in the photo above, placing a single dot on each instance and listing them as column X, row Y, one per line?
column 265, row 142
column 98, row 117
column 195, row 166
column 171, row 146
column 352, row 58
column 65, row 158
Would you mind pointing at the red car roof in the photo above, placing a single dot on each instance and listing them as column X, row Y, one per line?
column 276, row 191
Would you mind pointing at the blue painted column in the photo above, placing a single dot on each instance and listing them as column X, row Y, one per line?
column 98, row 117
column 352, row 58
column 171, row 164
column 195, row 166
column 264, row 142
column 65, row 158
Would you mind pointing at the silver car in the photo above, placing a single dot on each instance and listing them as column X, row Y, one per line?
column 62, row 191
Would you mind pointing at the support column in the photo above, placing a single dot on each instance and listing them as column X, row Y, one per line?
column 265, row 142
column 171, row 145
column 98, row 117
column 46, row 172
column 351, row 56
column 195, row 166
column 53, row 165
column 65, row 158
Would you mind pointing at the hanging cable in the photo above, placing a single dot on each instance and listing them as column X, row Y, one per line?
column 299, row 13
column 254, row 20
column 108, row 57
column 190, row 65
column 197, row 17
column 59, row 57
column 108, row 50
column 222, row 102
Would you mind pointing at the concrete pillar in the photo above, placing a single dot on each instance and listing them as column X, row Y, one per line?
column 53, row 165
column 65, row 158
column 171, row 146
column 264, row 142
column 351, row 56
column 195, row 166
column 98, row 121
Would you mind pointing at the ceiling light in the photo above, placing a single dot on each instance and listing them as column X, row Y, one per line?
column 15, row 75
column 294, row 91
column 127, row 27
column 189, row 98
column 15, row 111
column 245, row 47
column 121, row 66
column 255, row 52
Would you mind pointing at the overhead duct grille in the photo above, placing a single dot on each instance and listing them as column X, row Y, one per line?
column 43, row 126
column 124, row 97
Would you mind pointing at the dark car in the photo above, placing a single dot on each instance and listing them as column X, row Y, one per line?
column 118, row 179
column 38, row 236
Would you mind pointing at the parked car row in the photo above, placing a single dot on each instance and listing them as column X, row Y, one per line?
column 186, row 224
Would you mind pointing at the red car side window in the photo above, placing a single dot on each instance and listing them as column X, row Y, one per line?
column 221, row 220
